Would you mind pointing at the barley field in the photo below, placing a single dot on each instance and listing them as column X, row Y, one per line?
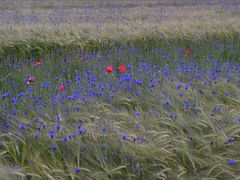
column 119, row 89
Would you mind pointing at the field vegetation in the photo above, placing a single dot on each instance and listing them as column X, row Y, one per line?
column 119, row 89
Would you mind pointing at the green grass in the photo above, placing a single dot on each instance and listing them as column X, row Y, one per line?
column 158, row 146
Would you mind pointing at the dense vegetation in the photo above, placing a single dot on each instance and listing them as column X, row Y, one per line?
column 137, row 90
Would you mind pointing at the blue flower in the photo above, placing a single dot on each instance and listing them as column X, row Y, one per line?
column 54, row 147
column 22, row 127
column 178, row 86
column 231, row 162
column 36, row 119
column 230, row 140
column 187, row 104
column 77, row 169
column 52, row 135
column 137, row 113
column 167, row 102
column 64, row 139
column 5, row 124
column 13, row 100
column 124, row 136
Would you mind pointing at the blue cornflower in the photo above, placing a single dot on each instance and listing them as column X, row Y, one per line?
column 57, row 118
column 124, row 136
column 64, row 139
column 137, row 113
column 178, row 86
column 58, row 126
column 36, row 119
column 104, row 129
column 134, row 139
column 52, row 135
column 214, row 92
column 187, row 104
column 22, row 127
column 230, row 140
column 35, row 135
column 6, row 94
column 5, row 124
column 54, row 147
column 13, row 100
column 231, row 162
column 167, row 102
column 136, row 170
column 77, row 169
column 150, row 113
column 81, row 131
column 180, row 95
column 151, row 85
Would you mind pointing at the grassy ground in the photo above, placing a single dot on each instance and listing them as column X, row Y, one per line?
column 170, row 115
column 34, row 27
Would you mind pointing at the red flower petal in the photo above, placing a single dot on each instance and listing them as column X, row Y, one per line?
column 188, row 52
column 61, row 88
column 109, row 69
column 122, row 69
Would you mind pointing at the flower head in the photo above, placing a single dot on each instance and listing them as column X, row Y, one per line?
column 37, row 63
column 31, row 80
column 61, row 88
column 188, row 52
column 231, row 162
column 77, row 169
column 122, row 69
column 109, row 69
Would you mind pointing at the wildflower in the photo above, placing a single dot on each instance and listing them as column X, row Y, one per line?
column 37, row 63
column 167, row 102
column 36, row 119
column 77, row 169
column 58, row 126
column 231, row 162
column 52, row 135
column 122, row 69
column 64, row 139
column 109, row 69
column 230, row 140
column 136, row 170
column 137, row 113
column 35, row 135
column 31, row 80
column 134, row 139
column 22, row 127
column 13, row 100
column 214, row 92
column 187, row 104
column 124, row 136
column 54, row 147
column 190, row 138
column 188, row 52
column 150, row 113
column 61, row 88
column 5, row 124
column 178, row 86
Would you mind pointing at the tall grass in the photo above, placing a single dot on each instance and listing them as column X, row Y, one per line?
column 29, row 27
column 171, row 115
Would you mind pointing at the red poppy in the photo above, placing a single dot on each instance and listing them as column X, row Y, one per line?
column 31, row 79
column 37, row 63
column 188, row 52
column 122, row 69
column 61, row 88
column 109, row 69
